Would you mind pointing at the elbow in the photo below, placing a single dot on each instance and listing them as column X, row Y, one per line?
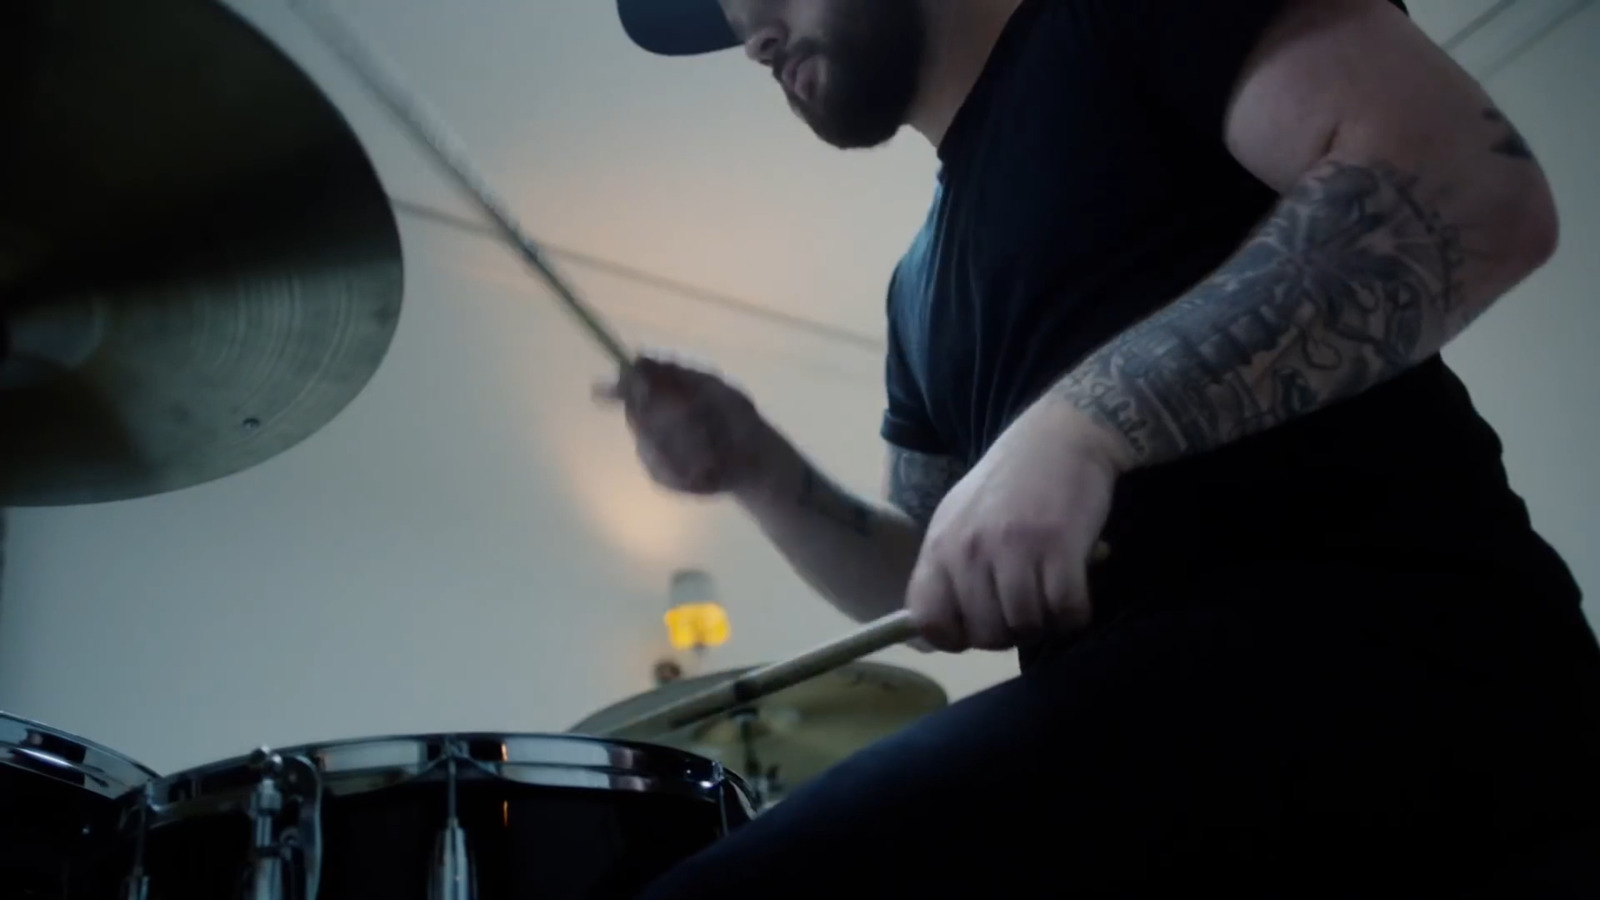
column 1531, row 228
column 1541, row 232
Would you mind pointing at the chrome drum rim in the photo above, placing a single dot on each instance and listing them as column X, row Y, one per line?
column 365, row 765
column 67, row 758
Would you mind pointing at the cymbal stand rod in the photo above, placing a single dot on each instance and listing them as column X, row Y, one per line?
column 447, row 150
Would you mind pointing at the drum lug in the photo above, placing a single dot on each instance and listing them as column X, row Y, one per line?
column 284, row 782
column 453, row 878
column 266, row 877
column 136, row 886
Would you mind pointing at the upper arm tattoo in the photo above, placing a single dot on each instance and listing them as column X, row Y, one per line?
column 1511, row 142
column 1357, row 274
column 1331, row 296
column 917, row 482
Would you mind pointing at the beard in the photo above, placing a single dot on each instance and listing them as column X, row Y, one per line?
column 872, row 51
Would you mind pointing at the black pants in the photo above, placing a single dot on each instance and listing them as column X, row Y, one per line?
column 1347, row 735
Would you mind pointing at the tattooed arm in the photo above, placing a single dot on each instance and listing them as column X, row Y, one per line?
column 1410, row 204
column 857, row 554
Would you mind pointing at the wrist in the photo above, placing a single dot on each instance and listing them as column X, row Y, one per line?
column 1069, row 422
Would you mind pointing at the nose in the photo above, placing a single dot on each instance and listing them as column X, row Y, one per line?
column 764, row 44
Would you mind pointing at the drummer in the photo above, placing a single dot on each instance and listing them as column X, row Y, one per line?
column 1184, row 283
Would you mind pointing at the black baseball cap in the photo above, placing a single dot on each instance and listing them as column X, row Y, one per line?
column 677, row 27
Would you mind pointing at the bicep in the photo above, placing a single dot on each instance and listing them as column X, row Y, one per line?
column 1354, row 81
column 1355, row 85
column 917, row 482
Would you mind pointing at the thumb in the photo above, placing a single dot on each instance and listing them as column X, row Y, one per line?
column 607, row 392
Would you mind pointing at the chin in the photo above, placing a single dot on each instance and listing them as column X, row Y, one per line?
column 848, row 133
column 857, row 138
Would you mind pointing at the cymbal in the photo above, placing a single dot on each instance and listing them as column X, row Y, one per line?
column 793, row 734
column 198, row 265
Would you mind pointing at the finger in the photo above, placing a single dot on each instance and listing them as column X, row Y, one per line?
column 635, row 387
column 646, row 378
column 1066, row 594
column 932, row 601
column 1016, row 584
column 981, row 615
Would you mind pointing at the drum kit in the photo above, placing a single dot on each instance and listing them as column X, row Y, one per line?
column 198, row 269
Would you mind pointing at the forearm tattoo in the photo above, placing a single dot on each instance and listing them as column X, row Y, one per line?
column 918, row 482
column 1350, row 282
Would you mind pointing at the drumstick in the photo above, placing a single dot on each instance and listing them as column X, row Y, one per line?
column 413, row 113
column 729, row 695
column 895, row 628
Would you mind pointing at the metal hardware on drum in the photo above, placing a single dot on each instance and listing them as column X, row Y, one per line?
column 136, row 885
column 453, row 875
column 58, row 810
column 430, row 817
column 447, row 150
column 266, row 802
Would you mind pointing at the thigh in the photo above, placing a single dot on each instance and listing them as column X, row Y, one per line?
column 1149, row 750
column 1256, row 744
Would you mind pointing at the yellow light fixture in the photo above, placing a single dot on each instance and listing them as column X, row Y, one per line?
column 697, row 625
column 694, row 620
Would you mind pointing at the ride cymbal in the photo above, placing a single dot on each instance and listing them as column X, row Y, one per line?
column 782, row 740
column 198, row 265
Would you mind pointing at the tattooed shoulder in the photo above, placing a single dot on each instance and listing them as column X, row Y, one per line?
column 917, row 482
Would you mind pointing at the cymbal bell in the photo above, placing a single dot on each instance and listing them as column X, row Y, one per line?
column 198, row 265
column 795, row 734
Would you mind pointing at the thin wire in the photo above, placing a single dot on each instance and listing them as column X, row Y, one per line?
column 1534, row 38
column 1477, row 23
column 660, row 282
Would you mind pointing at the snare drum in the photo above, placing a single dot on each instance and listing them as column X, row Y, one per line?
column 58, row 796
column 489, row 816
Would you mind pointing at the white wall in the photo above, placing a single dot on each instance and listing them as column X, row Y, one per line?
column 1531, row 362
column 471, row 544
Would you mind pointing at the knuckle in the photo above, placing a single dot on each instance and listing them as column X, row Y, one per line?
column 1030, row 533
column 975, row 545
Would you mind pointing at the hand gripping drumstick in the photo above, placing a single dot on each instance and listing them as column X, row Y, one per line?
column 730, row 695
column 895, row 628
column 447, row 149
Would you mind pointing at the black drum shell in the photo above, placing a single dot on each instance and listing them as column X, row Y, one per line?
column 544, row 823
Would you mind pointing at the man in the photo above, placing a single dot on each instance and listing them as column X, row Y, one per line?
column 1183, row 287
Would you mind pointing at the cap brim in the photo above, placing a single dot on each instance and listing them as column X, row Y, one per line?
column 676, row 27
